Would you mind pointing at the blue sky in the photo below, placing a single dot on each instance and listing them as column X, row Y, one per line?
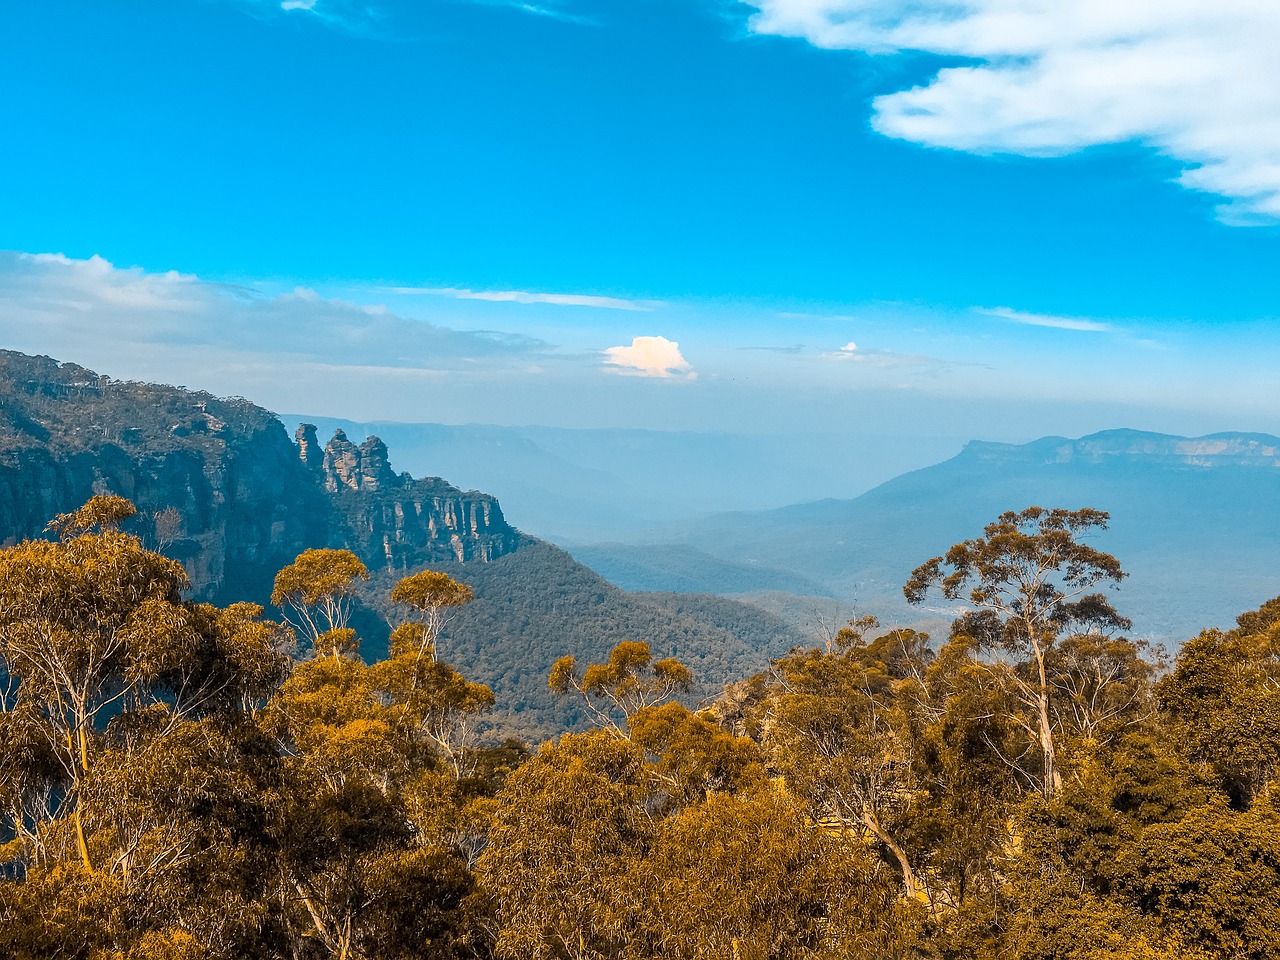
column 985, row 218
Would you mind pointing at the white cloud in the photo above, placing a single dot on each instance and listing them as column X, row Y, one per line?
column 298, row 5
column 524, row 296
column 1191, row 78
column 1045, row 320
column 650, row 357
column 87, row 308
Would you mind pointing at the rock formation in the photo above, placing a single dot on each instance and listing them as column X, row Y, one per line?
column 396, row 521
column 249, row 500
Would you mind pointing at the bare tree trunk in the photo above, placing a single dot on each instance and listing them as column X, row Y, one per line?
column 909, row 883
column 1052, row 779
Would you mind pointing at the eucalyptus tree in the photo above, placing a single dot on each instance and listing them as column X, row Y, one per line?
column 840, row 724
column 430, row 594
column 319, row 588
column 1029, row 580
column 629, row 681
column 87, row 625
column 131, row 776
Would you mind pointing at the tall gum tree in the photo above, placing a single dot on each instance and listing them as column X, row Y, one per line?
column 93, row 628
column 1029, row 580
column 430, row 594
column 79, row 625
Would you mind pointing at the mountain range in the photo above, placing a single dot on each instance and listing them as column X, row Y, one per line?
column 221, row 486
column 1194, row 520
column 579, row 486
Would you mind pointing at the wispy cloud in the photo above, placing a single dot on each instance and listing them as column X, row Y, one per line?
column 1189, row 78
column 378, row 20
column 650, row 357
column 1045, row 320
column 890, row 360
column 525, row 296
column 840, row 317
column 550, row 10
column 357, row 17
column 78, row 307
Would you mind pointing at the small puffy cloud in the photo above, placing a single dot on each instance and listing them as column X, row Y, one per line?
column 1190, row 78
column 525, row 296
column 298, row 5
column 1045, row 320
column 650, row 357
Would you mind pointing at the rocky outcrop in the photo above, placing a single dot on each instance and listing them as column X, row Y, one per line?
column 396, row 521
column 309, row 451
column 348, row 467
column 249, row 501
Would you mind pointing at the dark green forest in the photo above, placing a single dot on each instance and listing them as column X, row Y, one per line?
column 537, row 603
column 185, row 781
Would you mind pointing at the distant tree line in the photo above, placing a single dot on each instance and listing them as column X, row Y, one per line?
column 180, row 781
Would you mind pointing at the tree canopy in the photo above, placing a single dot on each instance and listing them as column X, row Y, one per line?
column 180, row 781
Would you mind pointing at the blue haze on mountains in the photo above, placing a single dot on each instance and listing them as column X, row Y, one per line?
column 1195, row 522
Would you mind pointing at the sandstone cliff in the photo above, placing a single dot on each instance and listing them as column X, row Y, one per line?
column 392, row 520
column 245, row 500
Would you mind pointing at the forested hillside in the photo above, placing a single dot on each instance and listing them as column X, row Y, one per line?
column 180, row 781
column 536, row 603
column 220, row 487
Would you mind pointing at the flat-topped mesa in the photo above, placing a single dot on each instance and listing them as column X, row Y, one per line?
column 1131, row 446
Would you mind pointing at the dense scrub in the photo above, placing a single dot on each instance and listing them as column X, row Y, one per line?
column 184, row 781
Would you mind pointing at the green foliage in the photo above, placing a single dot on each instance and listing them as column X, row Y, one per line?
column 628, row 681
column 105, row 511
column 1028, row 579
column 1223, row 704
column 319, row 587
column 175, row 786
column 537, row 604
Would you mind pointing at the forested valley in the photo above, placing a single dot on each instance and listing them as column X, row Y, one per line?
column 185, row 781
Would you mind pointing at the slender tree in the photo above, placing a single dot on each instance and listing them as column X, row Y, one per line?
column 430, row 594
column 628, row 682
column 1028, row 580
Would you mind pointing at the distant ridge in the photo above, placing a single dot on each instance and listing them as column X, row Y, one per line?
column 1195, row 520
column 1258, row 449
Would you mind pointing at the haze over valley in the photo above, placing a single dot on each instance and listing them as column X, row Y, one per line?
column 639, row 480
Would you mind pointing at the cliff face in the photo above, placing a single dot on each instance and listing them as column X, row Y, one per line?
column 217, row 482
column 392, row 520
